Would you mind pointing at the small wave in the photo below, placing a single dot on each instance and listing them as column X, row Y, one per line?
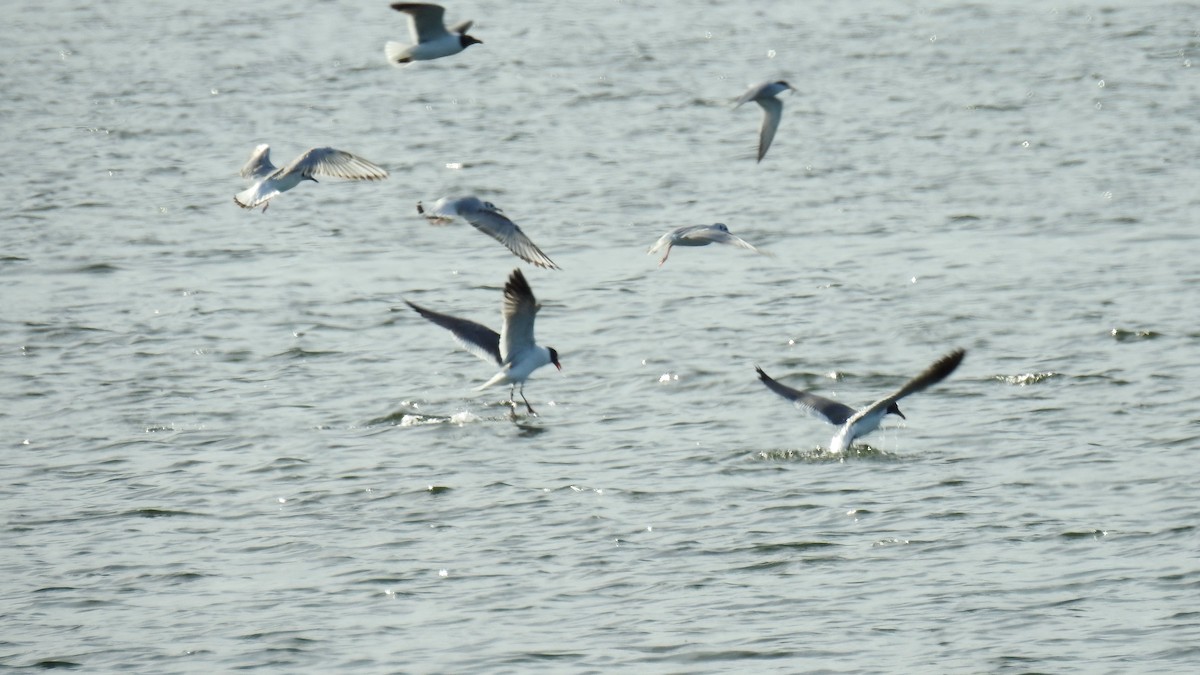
column 820, row 455
column 97, row 268
column 409, row 417
column 1026, row 379
column 298, row 353
column 1123, row 335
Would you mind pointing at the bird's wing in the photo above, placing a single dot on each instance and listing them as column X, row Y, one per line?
column 734, row 240
column 440, row 212
column 259, row 165
column 492, row 222
column 753, row 92
column 828, row 410
column 664, row 240
column 424, row 20
column 772, row 112
column 474, row 337
column 461, row 27
column 714, row 235
column 935, row 373
column 519, row 310
column 335, row 163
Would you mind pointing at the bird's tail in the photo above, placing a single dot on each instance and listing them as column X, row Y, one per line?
column 498, row 378
column 251, row 197
column 397, row 53
column 245, row 198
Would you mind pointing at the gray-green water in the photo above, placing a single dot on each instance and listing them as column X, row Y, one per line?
column 224, row 433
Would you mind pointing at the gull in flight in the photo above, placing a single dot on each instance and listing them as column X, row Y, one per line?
column 490, row 220
column 270, row 181
column 698, row 235
column 431, row 39
column 851, row 423
column 513, row 348
column 764, row 94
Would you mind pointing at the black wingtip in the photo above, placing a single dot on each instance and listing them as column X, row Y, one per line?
column 943, row 367
column 416, row 308
column 517, row 283
column 951, row 360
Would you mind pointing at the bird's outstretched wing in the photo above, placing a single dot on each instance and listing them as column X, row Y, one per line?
column 474, row 337
column 425, row 21
column 335, row 163
column 489, row 220
column 520, row 309
column 935, row 373
column 259, row 165
column 772, row 113
column 819, row 406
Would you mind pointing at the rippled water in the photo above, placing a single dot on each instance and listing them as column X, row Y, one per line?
column 231, row 446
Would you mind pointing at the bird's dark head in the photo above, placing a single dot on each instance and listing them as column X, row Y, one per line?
column 554, row 357
column 894, row 409
column 468, row 40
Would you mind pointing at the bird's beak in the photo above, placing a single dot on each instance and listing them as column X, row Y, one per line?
column 900, row 414
column 558, row 365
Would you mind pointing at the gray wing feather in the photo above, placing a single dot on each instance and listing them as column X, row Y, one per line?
column 752, row 93
column 772, row 112
column 662, row 241
column 497, row 226
column 828, row 410
column 935, row 373
column 335, row 163
column 474, row 337
column 259, row 165
column 425, row 20
column 719, row 237
column 520, row 309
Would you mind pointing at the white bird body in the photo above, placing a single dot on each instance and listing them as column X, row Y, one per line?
column 269, row 181
column 490, row 220
column 430, row 37
column 514, row 348
column 698, row 235
column 854, row 424
column 764, row 95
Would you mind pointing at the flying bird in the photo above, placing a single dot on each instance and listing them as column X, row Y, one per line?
column 764, row 94
column 698, row 235
column 490, row 220
column 513, row 348
column 431, row 39
column 853, row 423
column 269, row 181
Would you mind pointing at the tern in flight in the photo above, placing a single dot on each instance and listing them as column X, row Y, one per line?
column 513, row 348
column 270, row 181
column 698, row 235
column 490, row 220
column 431, row 39
column 764, row 94
column 851, row 423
